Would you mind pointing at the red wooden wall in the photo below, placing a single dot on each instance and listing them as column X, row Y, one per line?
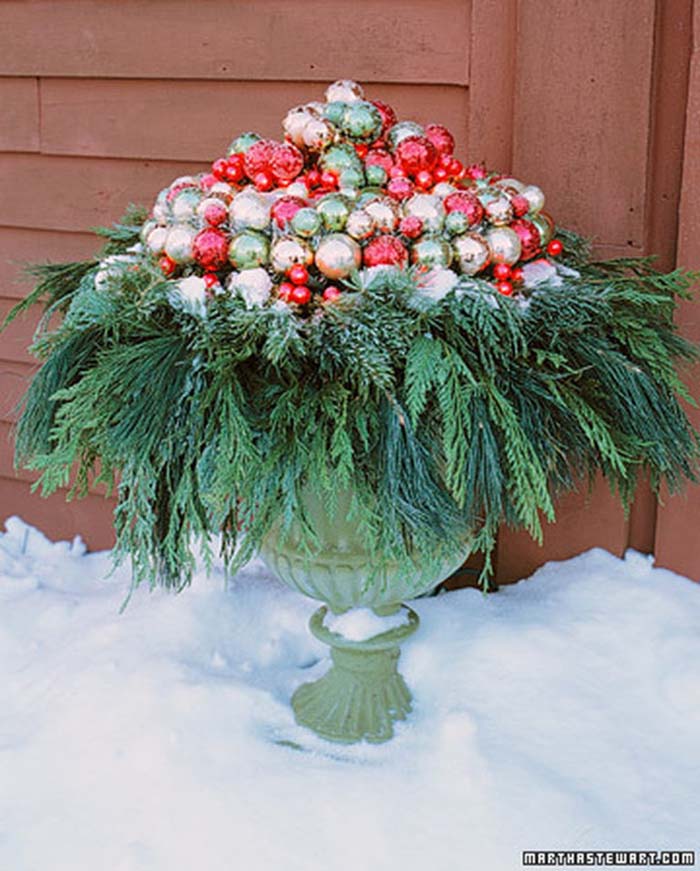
column 103, row 101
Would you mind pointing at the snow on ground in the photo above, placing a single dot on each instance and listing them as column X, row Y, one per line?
column 560, row 713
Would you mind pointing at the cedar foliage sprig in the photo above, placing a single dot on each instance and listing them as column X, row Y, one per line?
column 444, row 419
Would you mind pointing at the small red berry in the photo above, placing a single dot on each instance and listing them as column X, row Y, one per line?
column 263, row 180
column 285, row 290
column 332, row 293
column 234, row 168
column 457, row 168
column 555, row 248
column 219, row 167
column 504, row 287
column 210, row 280
column 440, row 173
column 329, row 179
column 313, row 178
column 298, row 273
column 424, row 179
column 361, row 149
column 167, row 265
column 396, row 172
column 300, row 294
column 517, row 274
column 502, row 271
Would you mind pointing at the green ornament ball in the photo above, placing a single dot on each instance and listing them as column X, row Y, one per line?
column 243, row 142
column 362, row 121
column 402, row 130
column 340, row 157
column 456, row 223
column 334, row 212
column 432, row 252
column 351, row 179
column 376, row 175
column 306, row 222
column 248, row 250
column 334, row 112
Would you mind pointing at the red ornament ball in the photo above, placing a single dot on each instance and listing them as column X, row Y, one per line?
column 520, row 205
column 300, row 294
column 385, row 250
column 467, row 203
column 167, row 265
column 411, row 226
column 476, row 171
column 210, row 248
column 263, row 180
column 208, row 181
column 387, row 113
column 457, row 169
column 329, row 180
column 424, row 180
column 416, row 154
column 517, row 274
column 258, row 158
column 399, row 188
column 502, row 271
column 530, row 239
column 215, row 213
column 298, row 274
column 286, row 163
column 555, row 247
column 234, row 168
column 284, row 290
column 332, row 293
column 219, row 167
column 441, row 138
column 380, row 157
column 440, row 174
column 210, row 280
column 284, row 210
column 504, row 287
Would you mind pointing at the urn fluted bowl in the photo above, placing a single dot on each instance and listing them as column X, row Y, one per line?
column 362, row 694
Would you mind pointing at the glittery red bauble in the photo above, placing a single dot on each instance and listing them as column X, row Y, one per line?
column 387, row 113
column 411, row 226
column 416, row 154
column 215, row 213
column 476, row 171
column 463, row 201
column 555, row 248
column 285, row 208
column 287, row 162
column 530, row 239
column 258, row 158
column 399, row 188
column 210, row 248
column 208, row 181
column 380, row 157
column 441, row 138
column 520, row 205
column 385, row 250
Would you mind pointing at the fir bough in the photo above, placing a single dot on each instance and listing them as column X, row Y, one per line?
column 444, row 418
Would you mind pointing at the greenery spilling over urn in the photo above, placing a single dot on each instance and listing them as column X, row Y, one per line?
column 349, row 311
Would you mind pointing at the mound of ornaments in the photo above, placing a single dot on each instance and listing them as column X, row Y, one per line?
column 349, row 187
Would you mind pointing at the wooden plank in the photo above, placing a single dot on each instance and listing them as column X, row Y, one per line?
column 404, row 41
column 678, row 519
column 492, row 82
column 20, row 246
column 14, row 381
column 104, row 117
column 90, row 518
column 19, row 114
column 16, row 338
column 583, row 521
column 69, row 193
column 582, row 110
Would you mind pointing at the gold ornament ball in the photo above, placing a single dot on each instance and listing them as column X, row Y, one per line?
column 510, row 185
column 383, row 214
column 471, row 252
column 545, row 226
column 534, row 196
column 432, row 252
column 288, row 252
column 428, row 208
column 294, row 123
column 317, row 134
column 504, row 245
column 499, row 212
column 338, row 255
column 359, row 225
column 249, row 210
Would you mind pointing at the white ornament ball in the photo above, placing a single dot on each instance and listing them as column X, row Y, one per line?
column 504, row 245
column 294, row 122
column 428, row 208
column 179, row 244
column 249, row 210
column 155, row 241
column 344, row 91
column 252, row 285
column 288, row 252
column 444, row 189
column 383, row 214
column 338, row 255
column 317, row 134
column 534, row 196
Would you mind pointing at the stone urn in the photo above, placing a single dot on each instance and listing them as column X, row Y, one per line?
column 362, row 695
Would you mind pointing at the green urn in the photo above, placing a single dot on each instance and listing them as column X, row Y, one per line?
column 362, row 695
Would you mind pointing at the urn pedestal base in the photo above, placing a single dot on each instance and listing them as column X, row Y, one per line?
column 362, row 695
